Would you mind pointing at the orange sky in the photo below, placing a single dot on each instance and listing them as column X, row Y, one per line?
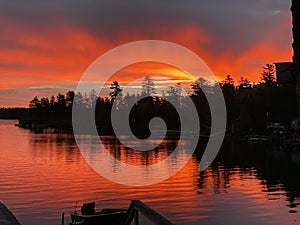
column 49, row 56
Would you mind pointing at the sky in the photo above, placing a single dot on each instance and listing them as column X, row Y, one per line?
column 46, row 46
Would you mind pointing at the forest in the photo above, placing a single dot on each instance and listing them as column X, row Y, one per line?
column 250, row 106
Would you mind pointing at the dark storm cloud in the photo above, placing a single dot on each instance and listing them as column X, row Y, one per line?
column 233, row 26
column 219, row 17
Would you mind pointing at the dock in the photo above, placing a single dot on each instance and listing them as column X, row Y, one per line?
column 6, row 216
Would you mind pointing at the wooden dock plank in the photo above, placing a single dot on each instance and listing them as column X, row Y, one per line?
column 6, row 216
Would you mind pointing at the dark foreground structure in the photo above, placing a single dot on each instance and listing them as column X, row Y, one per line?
column 296, row 46
column 289, row 72
column 89, row 216
column 6, row 217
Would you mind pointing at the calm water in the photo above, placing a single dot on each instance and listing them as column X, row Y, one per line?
column 43, row 175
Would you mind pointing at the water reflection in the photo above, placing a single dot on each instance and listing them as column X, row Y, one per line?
column 43, row 174
column 276, row 169
column 133, row 157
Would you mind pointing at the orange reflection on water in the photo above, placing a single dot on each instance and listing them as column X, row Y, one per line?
column 138, row 158
column 43, row 175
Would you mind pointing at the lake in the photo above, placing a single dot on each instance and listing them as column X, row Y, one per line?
column 44, row 174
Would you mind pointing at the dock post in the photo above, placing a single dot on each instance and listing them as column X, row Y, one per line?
column 63, row 219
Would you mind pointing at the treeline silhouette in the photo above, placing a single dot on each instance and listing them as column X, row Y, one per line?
column 14, row 113
column 250, row 106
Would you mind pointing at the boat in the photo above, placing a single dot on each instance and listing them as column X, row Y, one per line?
column 89, row 216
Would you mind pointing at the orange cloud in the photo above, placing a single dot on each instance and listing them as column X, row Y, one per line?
column 142, row 69
column 61, row 54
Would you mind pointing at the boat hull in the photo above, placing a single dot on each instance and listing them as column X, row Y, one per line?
column 112, row 218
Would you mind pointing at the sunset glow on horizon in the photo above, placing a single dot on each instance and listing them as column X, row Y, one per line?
column 46, row 49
